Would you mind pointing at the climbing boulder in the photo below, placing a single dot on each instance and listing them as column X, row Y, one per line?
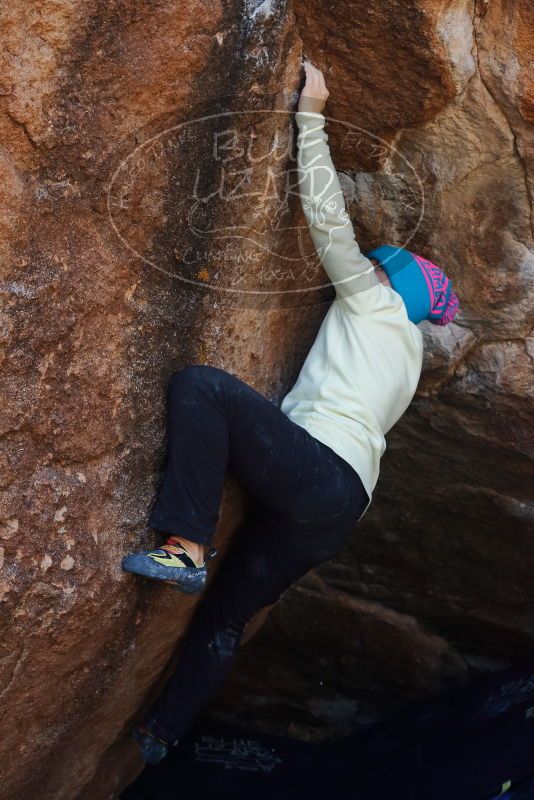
column 147, row 221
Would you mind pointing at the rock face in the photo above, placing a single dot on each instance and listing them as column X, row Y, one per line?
column 139, row 142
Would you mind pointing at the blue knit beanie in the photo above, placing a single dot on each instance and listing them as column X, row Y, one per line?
column 425, row 289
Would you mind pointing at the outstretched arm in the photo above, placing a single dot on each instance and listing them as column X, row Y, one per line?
column 322, row 199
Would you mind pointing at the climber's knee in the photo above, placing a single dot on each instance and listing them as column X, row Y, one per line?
column 195, row 376
column 191, row 374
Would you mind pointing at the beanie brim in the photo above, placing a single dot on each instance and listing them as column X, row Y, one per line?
column 406, row 278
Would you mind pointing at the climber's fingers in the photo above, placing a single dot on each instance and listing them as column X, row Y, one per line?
column 314, row 93
column 315, row 85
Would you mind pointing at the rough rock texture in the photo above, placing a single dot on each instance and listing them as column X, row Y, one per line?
column 119, row 263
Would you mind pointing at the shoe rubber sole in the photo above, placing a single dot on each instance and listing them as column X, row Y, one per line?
column 184, row 579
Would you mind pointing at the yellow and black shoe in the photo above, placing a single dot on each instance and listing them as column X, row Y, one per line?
column 172, row 564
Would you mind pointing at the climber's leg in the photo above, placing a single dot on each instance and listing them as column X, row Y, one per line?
column 271, row 552
column 266, row 560
column 215, row 421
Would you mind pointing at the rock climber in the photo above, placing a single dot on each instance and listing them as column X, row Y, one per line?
column 311, row 464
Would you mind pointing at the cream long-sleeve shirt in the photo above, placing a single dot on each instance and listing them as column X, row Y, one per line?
column 364, row 366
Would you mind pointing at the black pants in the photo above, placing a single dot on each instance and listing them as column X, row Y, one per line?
column 307, row 502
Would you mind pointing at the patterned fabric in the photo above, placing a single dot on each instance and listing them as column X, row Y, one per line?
column 444, row 303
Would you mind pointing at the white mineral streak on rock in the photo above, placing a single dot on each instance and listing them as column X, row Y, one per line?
column 9, row 528
column 455, row 27
column 59, row 516
column 263, row 10
column 46, row 562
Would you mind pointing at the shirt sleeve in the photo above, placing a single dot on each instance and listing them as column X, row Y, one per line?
column 351, row 273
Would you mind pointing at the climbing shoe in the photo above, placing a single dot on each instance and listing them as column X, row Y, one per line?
column 153, row 749
column 172, row 564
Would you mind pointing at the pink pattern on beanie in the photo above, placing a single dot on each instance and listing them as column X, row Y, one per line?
column 444, row 303
column 451, row 310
